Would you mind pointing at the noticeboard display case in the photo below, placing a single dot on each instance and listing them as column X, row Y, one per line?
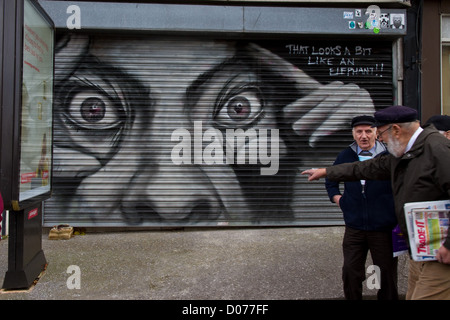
column 26, row 134
column 27, row 106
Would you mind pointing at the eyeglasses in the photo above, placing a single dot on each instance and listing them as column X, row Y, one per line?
column 381, row 133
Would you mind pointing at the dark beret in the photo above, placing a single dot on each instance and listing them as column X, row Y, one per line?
column 395, row 114
column 440, row 122
column 369, row 120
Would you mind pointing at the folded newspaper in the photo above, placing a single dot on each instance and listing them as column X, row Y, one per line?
column 427, row 224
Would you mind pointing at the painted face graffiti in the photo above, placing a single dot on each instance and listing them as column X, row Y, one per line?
column 151, row 131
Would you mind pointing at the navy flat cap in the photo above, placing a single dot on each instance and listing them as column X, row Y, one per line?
column 441, row 122
column 359, row 120
column 394, row 114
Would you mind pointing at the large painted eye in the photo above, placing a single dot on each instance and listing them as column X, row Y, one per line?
column 94, row 110
column 240, row 109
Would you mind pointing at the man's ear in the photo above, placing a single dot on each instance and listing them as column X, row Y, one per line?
column 353, row 134
column 396, row 130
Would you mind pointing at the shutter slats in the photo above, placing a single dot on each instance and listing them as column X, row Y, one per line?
column 141, row 128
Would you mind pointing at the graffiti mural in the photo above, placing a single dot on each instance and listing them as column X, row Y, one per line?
column 153, row 131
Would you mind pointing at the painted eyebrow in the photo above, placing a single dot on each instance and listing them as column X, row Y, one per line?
column 194, row 90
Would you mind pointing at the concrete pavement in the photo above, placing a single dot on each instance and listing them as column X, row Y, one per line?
column 199, row 264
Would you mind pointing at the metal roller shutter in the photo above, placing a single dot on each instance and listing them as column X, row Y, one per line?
column 196, row 131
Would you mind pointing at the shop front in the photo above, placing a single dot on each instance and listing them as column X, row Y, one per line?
column 205, row 115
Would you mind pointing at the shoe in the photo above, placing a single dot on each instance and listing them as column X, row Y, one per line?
column 61, row 232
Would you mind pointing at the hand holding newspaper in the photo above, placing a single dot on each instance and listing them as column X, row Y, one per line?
column 427, row 224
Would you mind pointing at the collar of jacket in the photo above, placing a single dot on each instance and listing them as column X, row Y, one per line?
column 379, row 148
column 417, row 147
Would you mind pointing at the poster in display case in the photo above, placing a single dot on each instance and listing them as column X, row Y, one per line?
column 36, row 120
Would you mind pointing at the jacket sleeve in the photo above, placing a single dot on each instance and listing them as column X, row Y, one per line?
column 333, row 186
column 441, row 154
column 375, row 169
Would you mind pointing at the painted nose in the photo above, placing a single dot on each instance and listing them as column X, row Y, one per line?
column 171, row 193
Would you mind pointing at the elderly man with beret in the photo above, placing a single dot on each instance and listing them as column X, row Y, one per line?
column 418, row 169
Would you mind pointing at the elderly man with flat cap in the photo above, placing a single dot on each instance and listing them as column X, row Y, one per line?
column 418, row 169
column 369, row 216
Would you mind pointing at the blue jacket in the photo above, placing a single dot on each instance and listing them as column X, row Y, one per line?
column 370, row 207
